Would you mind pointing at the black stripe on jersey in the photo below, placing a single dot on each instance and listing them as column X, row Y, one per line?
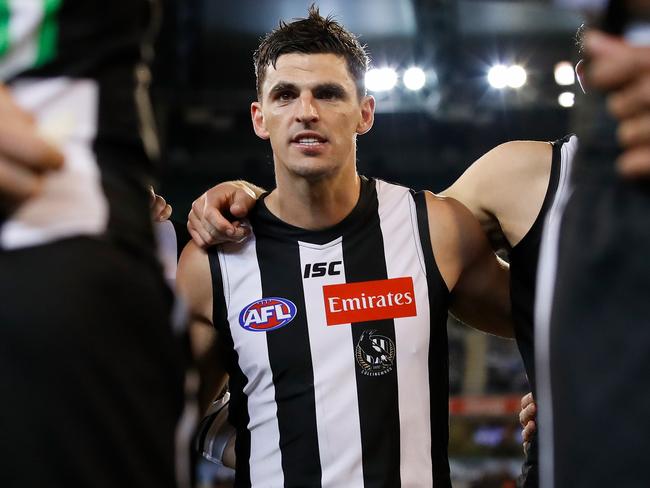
column 364, row 258
column 438, row 352
column 238, row 410
column 291, row 364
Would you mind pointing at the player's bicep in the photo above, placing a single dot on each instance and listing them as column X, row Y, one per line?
column 194, row 282
column 194, row 285
column 478, row 281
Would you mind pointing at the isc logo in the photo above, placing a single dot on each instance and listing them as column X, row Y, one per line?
column 267, row 314
column 317, row 270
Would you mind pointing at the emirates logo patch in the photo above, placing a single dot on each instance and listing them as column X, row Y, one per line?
column 364, row 301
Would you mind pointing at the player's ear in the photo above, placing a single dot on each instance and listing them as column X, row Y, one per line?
column 257, row 116
column 367, row 114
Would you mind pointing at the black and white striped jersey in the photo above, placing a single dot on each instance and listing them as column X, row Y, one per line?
column 336, row 346
column 75, row 65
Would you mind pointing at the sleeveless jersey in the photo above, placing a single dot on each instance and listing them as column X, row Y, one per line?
column 523, row 265
column 523, row 271
column 72, row 65
column 336, row 346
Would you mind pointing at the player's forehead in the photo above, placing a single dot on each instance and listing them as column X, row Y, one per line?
column 307, row 71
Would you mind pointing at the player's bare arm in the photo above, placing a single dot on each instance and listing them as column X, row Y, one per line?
column 478, row 280
column 194, row 284
column 506, row 186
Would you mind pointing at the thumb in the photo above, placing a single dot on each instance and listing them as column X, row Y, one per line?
column 241, row 204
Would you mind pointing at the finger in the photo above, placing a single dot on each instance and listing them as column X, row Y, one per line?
column 630, row 100
column 526, row 400
column 242, row 203
column 10, row 110
column 612, row 61
column 241, row 231
column 635, row 163
column 196, row 237
column 526, row 447
column 23, row 145
column 166, row 213
column 527, row 414
column 635, row 131
column 198, row 227
column 529, row 431
column 157, row 205
column 17, row 183
column 219, row 226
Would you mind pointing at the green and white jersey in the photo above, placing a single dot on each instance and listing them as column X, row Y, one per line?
column 29, row 31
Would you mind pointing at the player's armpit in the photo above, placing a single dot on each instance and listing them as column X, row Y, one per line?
column 478, row 280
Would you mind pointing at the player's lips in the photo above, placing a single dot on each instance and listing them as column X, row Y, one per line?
column 308, row 140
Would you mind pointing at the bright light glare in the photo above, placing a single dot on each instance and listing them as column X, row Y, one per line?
column 516, row 76
column 381, row 79
column 564, row 74
column 566, row 99
column 498, row 76
column 414, row 78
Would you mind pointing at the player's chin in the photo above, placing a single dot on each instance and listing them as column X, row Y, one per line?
column 313, row 169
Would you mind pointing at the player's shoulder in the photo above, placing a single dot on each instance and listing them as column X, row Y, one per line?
column 518, row 156
column 456, row 235
column 193, row 265
column 193, row 255
column 444, row 207
column 450, row 221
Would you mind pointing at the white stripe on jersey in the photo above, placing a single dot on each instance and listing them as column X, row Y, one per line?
column 338, row 397
column 25, row 17
column 167, row 249
column 546, row 272
column 72, row 201
column 402, row 248
column 337, row 408
column 265, row 457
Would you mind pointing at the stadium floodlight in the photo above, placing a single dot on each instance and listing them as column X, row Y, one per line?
column 414, row 78
column 516, row 77
column 564, row 74
column 498, row 76
column 381, row 79
column 566, row 99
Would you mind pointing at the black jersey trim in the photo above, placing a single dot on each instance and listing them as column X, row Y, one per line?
column 364, row 258
column 438, row 351
column 238, row 411
column 535, row 230
column 291, row 365
column 266, row 223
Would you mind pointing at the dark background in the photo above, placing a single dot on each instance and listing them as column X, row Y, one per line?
column 204, row 83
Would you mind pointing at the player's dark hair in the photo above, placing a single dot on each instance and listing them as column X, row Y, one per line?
column 312, row 35
column 580, row 39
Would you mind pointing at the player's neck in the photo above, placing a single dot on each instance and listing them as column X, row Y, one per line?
column 315, row 205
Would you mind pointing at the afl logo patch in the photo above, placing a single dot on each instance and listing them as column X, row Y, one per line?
column 375, row 353
column 267, row 314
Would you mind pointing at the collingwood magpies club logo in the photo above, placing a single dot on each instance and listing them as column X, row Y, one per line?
column 375, row 353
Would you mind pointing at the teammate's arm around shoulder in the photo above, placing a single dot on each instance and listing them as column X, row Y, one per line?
column 194, row 285
column 478, row 280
